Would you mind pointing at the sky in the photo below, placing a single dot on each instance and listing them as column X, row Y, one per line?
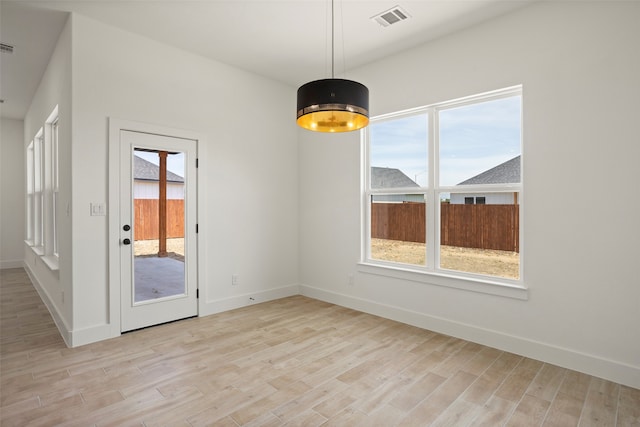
column 175, row 162
column 473, row 138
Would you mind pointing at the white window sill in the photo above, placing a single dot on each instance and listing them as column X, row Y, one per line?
column 51, row 261
column 38, row 250
column 485, row 286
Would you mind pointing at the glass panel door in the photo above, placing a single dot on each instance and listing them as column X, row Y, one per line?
column 158, row 199
column 158, row 262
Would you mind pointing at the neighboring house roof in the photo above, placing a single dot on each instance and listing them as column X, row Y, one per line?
column 146, row 171
column 390, row 178
column 504, row 173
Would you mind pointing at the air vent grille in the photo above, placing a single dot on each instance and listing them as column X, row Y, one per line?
column 391, row 16
column 5, row 48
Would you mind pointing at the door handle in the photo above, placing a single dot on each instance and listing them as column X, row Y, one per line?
column 126, row 241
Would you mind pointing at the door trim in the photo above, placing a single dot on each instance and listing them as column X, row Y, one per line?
column 113, row 211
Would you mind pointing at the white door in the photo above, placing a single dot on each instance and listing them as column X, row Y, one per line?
column 157, row 229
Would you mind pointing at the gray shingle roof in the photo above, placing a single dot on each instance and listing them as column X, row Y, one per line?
column 390, row 178
column 146, row 171
column 504, row 173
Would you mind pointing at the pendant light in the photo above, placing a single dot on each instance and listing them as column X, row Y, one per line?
column 333, row 105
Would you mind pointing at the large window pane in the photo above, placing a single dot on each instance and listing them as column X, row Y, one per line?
column 398, row 228
column 398, row 150
column 481, row 237
column 478, row 137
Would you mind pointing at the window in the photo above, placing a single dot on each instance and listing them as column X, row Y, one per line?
column 479, row 200
column 443, row 188
column 54, row 183
column 38, row 192
column 30, row 193
column 42, row 191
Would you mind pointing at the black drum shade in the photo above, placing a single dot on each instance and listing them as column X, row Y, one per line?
column 333, row 105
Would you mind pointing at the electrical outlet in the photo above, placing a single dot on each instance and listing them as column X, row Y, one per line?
column 350, row 280
column 235, row 280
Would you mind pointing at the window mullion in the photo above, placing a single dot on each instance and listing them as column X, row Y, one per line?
column 433, row 234
column 365, row 176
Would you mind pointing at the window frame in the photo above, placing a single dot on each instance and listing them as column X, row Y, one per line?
column 30, row 178
column 42, row 191
column 50, row 254
column 53, row 186
column 39, row 192
column 431, row 272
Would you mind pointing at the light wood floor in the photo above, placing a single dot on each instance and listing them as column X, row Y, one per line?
column 293, row 362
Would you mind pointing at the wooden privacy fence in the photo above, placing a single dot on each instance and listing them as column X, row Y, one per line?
column 470, row 226
column 146, row 219
column 398, row 221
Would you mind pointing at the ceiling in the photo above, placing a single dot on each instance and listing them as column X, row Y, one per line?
column 285, row 40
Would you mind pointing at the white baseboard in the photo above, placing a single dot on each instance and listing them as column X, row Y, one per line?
column 63, row 328
column 208, row 307
column 608, row 369
column 11, row 263
column 91, row 334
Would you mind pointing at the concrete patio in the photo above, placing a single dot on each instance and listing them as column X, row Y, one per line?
column 158, row 277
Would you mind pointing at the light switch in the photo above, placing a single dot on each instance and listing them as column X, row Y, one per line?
column 98, row 209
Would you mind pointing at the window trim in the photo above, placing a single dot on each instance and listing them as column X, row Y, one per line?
column 459, row 280
column 42, row 190
column 30, row 208
column 431, row 273
column 53, row 186
column 39, row 190
column 50, row 256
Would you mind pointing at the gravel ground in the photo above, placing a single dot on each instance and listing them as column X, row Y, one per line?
column 175, row 248
column 482, row 261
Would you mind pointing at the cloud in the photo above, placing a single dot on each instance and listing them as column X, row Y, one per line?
column 472, row 139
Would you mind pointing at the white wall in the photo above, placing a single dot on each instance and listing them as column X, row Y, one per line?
column 248, row 166
column 579, row 64
column 12, row 188
column 54, row 286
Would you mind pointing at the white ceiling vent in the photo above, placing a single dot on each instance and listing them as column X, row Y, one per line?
column 391, row 16
column 5, row 48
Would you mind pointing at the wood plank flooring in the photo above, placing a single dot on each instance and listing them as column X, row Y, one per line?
column 290, row 362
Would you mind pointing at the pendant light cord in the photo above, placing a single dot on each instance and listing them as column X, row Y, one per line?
column 332, row 43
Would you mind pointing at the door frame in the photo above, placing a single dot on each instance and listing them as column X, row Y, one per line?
column 115, row 127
